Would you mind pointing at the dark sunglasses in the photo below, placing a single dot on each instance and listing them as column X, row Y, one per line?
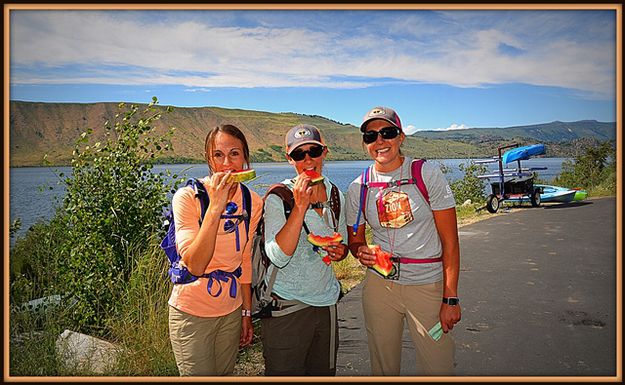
column 386, row 133
column 313, row 152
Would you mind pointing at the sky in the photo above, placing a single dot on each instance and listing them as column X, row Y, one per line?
column 439, row 69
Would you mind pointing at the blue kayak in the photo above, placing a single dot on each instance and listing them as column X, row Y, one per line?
column 522, row 153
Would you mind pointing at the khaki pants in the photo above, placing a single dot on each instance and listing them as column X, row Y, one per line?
column 204, row 346
column 386, row 304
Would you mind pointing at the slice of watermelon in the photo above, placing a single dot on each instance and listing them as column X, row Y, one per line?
column 383, row 264
column 242, row 175
column 321, row 241
column 315, row 177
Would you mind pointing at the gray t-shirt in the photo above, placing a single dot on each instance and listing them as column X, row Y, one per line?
column 401, row 219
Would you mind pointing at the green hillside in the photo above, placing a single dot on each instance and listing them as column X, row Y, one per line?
column 37, row 129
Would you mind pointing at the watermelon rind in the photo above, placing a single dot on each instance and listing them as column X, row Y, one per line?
column 242, row 176
column 380, row 269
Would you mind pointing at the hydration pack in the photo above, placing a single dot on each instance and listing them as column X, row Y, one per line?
column 417, row 179
column 264, row 303
column 178, row 273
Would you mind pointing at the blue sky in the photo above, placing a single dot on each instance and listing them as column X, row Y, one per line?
column 439, row 69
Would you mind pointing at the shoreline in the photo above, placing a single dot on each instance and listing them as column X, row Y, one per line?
column 263, row 162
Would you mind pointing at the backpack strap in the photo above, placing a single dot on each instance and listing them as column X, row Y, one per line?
column 204, row 199
column 247, row 207
column 335, row 204
column 416, row 169
column 201, row 195
column 364, row 181
column 219, row 276
column 288, row 201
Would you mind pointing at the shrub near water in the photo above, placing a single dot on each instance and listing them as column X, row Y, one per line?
column 113, row 201
column 470, row 186
column 594, row 169
column 34, row 261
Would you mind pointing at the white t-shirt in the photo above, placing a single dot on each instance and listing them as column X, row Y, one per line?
column 401, row 219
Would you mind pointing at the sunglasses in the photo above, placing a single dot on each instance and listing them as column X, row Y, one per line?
column 386, row 133
column 313, row 152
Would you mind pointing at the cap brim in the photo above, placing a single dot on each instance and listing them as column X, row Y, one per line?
column 290, row 150
column 364, row 124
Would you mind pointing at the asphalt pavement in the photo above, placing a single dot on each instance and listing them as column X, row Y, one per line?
column 538, row 289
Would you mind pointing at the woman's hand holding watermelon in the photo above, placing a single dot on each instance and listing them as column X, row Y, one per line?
column 302, row 193
column 219, row 188
column 336, row 251
column 366, row 256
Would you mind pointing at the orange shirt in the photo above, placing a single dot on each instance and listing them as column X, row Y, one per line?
column 193, row 298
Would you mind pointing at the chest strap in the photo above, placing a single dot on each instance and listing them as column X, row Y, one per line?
column 219, row 276
column 411, row 260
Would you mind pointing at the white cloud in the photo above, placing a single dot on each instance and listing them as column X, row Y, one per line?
column 461, row 49
column 410, row 129
column 198, row 90
column 455, row 126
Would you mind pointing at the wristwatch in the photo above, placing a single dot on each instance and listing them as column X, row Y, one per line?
column 451, row 301
column 246, row 313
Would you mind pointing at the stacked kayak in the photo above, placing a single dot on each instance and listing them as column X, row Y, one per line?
column 523, row 153
column 550, row 193
column 514, row 184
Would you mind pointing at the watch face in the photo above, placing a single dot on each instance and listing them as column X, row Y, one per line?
column 452, row 301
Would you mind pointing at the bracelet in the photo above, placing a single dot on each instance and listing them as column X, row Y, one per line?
column 246, row 313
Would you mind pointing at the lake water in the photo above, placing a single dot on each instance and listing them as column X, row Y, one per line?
column 35, row 192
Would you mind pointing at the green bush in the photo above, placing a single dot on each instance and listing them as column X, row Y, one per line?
column 470, row 186
column 34, row 262
column 113, row 201
column 593, row 167
column 14, row 227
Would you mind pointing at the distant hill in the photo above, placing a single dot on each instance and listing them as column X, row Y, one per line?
column 546, row 132
column 37, row 129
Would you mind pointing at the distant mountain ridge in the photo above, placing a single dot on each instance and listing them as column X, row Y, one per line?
column 39, row 128
column 546, row 132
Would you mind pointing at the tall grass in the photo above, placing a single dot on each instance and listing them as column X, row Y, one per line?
column 32, row 343
column 141, row 325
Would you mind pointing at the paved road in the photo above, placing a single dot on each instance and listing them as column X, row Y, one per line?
column 538, row 292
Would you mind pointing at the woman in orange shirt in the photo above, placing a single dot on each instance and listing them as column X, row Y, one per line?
column 210, row 318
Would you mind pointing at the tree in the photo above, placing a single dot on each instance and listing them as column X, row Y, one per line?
column 114, row 204
column 594, row 165
column 470, row 186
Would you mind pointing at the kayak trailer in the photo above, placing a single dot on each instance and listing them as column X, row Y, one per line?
column 512, row 184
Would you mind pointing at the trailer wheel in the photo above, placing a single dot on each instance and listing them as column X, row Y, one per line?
column 535, row 198
column 492, row 203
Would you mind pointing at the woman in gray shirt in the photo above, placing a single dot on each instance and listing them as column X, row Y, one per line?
column 412, row 216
